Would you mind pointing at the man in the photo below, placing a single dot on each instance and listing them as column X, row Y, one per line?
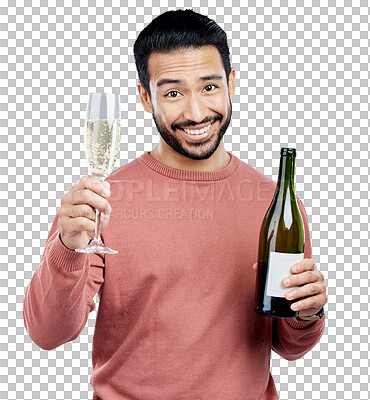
column 176, row 317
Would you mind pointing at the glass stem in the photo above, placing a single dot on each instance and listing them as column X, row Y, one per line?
column 97, row 238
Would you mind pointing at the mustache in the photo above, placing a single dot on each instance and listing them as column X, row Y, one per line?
column 186, row 124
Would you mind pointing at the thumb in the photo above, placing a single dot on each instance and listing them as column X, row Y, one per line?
column 254, row 267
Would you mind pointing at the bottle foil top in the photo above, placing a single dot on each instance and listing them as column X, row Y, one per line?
column 285, row 151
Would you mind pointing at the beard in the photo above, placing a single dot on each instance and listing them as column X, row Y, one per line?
column 195, row 150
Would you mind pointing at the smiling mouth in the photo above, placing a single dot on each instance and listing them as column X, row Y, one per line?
column 195, row 132
column 200, row 135
column 198, row 131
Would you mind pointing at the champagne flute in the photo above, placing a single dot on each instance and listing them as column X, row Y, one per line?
column 102, row 141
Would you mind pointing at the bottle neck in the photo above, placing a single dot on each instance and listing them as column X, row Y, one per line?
column 286, row 176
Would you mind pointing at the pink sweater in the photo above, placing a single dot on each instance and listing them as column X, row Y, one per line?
column 175, row 319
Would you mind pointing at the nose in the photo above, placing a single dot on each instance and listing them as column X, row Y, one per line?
column 195, row 110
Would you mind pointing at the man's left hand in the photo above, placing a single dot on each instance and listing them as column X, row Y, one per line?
column 312, row 290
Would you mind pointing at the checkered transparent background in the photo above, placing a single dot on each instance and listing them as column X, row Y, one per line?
column 303, row 81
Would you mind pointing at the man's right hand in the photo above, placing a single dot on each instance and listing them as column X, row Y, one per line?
column 77, row 211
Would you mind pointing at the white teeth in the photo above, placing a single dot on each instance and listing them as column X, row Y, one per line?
column 197, row 132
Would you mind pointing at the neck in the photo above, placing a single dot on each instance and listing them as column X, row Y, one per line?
column 167, row 156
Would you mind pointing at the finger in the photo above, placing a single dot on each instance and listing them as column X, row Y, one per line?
column 307, row 264
column 254, row 266
column 307, row 290
column 78, row 224
column 89, row 182
column 315, row 302
column 86, row 196
column 82, row 210
column 302, row 279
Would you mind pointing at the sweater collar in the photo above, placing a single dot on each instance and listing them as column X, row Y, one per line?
column 180, row 174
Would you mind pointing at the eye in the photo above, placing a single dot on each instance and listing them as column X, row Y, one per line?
column 173, row 94
column 209, row 87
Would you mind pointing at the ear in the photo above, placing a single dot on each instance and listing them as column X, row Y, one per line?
column 232, row 83
column 145, row 99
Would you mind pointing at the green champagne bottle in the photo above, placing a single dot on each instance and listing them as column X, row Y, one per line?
column 281, row 243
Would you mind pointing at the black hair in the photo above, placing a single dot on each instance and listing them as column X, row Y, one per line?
column 177, row 30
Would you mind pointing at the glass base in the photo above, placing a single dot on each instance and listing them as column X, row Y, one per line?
column 97, row 246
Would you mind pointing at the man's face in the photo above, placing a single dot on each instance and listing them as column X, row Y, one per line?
column 190, row 99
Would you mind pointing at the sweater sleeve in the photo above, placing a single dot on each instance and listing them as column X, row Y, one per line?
column 291, row 339
column 59, row 296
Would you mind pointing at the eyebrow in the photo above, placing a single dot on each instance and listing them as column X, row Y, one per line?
column 167, row 81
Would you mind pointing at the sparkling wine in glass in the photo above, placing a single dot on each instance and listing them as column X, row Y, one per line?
column 102, row 141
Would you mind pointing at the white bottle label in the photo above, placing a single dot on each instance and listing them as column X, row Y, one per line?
column 279, row 268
